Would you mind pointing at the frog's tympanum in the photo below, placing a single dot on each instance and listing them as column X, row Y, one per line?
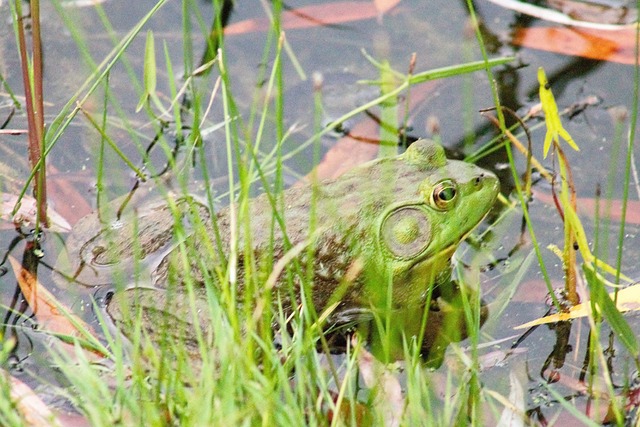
column 378, row 238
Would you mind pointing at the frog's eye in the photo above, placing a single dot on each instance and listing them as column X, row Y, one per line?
column 406, row 232
column 443, row 195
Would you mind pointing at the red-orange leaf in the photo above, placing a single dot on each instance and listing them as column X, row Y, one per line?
column 608, row 208
column 349, row 152
column 384, row 6
column 616, row 46
column 362, row 142
column 69, row 202
column 47, row 309
column 349, row 410
column 313, row 16
column 33, row 411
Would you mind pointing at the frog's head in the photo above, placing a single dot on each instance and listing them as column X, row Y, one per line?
column 418, row 233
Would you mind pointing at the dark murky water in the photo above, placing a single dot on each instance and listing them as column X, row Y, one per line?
column 438, row 32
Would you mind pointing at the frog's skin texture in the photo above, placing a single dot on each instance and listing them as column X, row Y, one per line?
column 391, row 222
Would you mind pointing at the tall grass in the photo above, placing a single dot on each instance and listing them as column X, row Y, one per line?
column 31, row 67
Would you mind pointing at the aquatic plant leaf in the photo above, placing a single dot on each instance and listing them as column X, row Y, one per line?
column 611, row 312
column 615, row 46
column 551, row 116
column 389, row 126
column 590, row 260
column 149, row 76
column 628, row 299
column 30, row 408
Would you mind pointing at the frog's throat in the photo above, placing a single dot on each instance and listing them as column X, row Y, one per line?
column 468, row 233
column 452, row 247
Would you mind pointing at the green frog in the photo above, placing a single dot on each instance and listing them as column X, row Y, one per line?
column 379, row 237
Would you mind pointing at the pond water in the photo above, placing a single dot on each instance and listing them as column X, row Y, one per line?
column 325, row 62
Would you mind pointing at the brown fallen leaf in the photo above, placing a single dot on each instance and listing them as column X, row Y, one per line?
column 348, row 152
column 52, row 316
column 615, row 46
column 32, row 410
column 349, row 410
column 325, row 14
column 361, row 144
column 69, row 202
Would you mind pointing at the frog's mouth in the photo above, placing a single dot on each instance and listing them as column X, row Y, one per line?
column 454, row 245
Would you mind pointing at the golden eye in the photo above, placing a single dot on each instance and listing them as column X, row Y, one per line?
column 444, row 195
column 406, row 232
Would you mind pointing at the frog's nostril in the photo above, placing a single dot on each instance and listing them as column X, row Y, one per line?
column 108, row 297
column 479, row 179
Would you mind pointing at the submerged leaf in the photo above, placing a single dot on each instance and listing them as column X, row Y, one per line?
column 361, row 143
column 70, row 204
column 50, row 313
column 596, row 11
column 612, row 312
column 149, row 71
column 615, row 46
column 324, row 14
column 31, row 409
column 589, row 206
